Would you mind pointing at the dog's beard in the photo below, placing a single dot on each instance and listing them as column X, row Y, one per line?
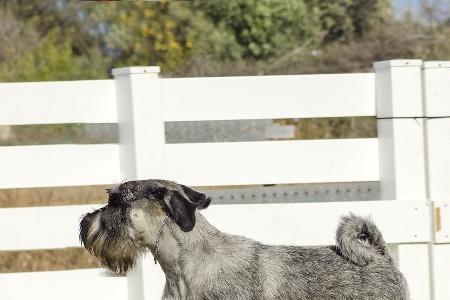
column 114, row 249
column 117, row 255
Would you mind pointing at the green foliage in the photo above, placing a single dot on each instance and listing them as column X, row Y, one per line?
column 140, row 33
column 395, row 39
column 346, row 19
column 65, row 40
column 62, row 40
column 265, row 28
column 52, row 59
column 268, row 28
column 35, row 49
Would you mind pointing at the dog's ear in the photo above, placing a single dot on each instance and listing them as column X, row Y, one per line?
column 198, row 199
column 182, row 206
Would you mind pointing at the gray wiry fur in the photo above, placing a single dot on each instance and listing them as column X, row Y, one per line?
column 201, row 262
column 359, row 240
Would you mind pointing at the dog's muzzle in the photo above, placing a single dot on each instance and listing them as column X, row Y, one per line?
column 104, row 233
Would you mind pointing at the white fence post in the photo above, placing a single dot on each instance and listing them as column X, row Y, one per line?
column 436, row 78
column 142, row 152
column 402, row 157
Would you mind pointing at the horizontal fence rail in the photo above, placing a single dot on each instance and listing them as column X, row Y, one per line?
column 59, row 165
column 271, row 162
column 195, row 99
column 314, row 224
column 85, row 101
column 60, row 224
column 310, row 224
column 342, row 160
column 269, row 97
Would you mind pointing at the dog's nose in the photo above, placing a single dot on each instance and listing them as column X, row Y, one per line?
column 114, row 199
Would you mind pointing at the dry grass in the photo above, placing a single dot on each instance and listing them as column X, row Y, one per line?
column 46, row 260
column 52, row 196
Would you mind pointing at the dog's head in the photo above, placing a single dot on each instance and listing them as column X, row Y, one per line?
column 127, row 226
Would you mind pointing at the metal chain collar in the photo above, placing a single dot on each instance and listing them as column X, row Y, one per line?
column 158, row 236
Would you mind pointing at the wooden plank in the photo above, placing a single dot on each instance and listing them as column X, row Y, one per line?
column 293, row 223
column 67, row 285
column 85, row 101
column 269, row 97
column 271, row 162
column 58, row 165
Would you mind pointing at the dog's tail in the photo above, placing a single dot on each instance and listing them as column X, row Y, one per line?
column 359, row 240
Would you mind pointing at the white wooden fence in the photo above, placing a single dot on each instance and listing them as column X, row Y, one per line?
column 410, row 158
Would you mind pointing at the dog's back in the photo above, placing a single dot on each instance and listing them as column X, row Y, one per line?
column 358, row 267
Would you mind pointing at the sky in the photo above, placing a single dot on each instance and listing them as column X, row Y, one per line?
column 401, row 6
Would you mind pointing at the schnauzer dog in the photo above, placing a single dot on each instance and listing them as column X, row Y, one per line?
column 200, row 262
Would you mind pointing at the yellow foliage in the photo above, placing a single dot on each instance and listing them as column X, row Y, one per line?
column 169, row 25
column 148, row 13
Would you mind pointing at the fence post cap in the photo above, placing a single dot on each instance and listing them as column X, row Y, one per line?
column 436, row 64
column 136, row 70
column 379, row 65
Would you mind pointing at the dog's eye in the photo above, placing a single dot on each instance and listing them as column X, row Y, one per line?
column 363, row 237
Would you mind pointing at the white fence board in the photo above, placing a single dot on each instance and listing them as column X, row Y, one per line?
column 58, row 165
column 438, row 150
column 437, row 88
column 342, row 160
column 414, row 262
column 67, row 285
column 441, row 260
column 294, row 223
column 41, row 227
column 315, row 223
column 404, row 223
column 269, row 97
column 84, row 101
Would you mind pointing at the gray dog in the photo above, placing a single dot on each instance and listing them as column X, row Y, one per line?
column 200, row 262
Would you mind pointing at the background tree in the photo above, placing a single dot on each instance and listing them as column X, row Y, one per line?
column 63, row 40
column 46, row 40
